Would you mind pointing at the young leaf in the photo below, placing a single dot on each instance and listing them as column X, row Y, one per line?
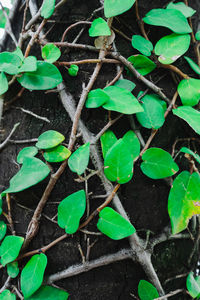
column 49, row 139
column 49, row 293
column 184, row 200
column 10, row 247
column 193, row 285
column 142, row 45
column 108, row 139
column 170, row 18
column 190, row 115
column 50, row 53
column 146, row 290
column 7, row 295
column 189, row 91
column 71, row 210
column 142, row 64
column 114, row 225
column 184, row 9
column 158, row 164
column 48, row 7
column 9, row 63
column 3, row 18
column 190, row 152
column 118, row 163
column 79, row 160
column 3, row 83
column 73, row 70
column 26, row 152
column 125, row 84
column 12, row 269
column 29, row 64
column 121, row 100
column 3, row 229
column 193, row 65
column 99, row 27
column 114, row 8
column 57, row 154
column 32, row 274
column 47, row 76
column 130, row 139
column 171, row 47
column 96, row 98
column 153, row 114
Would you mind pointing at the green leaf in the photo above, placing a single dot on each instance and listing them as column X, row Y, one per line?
column 57, row 154
column 121, row 100
column 96, row 98
column 29, row 64
column 193, row 285
column 170, row 18
column 49, row 293
column 142, row 64
column 184, row 9
column 49, row 139
column 189, row 91
column 47, row 76
column 10, row 247
column 118, row 163
column 48, row 7
column 50, row 53
column 114, row 225
column 108, row 139
column 114, row 8
column 79, row 160
column 26, row 152
column 190, row 115
column 32, row 274
column 3, row 83
column 70, row 211
column 12, row 269
column 197, row 35
column 3, row 18
column 184, row 200
column 153, row 114
column 9, row 63
column 190, row 152
column 99, row 27
column 3, row 229
column 19, row 53
column 7, row 295
column 171, row 47
column 142, row 45
column 130, row 139
column 147, row 291
column 158, row 164
column 193, row 65
column 32, row 171
column 73, row 70
column 125, row 84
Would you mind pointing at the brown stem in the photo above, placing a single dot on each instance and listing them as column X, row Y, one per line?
column 72, row 26
column 8, row 200
column 116, row 77
column 140, row 21
column 174, row 69
column 88, row 61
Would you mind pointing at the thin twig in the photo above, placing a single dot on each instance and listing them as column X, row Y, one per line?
column 32, row 114
column 2, row 145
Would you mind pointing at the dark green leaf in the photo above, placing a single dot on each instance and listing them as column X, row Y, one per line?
column 10, row 247
column 189, row 91
column 3, row 18
column 190, row 152
column 125, row 84
column 96, row 98
column 79, row 160
column 48, row 7
column 142, row 45
column 142, row 64
column 29, row 64
column 114, row 225
column 3, row 83
column 9, row 63
column 49, row 293
column 70, row 211
column 49, row 139
column 7, row 295
column 99, row 27
column 3, row 229
column 193, row 65
column 73, row 70
column 108, row 139
column 184, row 9
column 57, row 154
column 190, row 115
column 193, row 285
column 147, row 291
column 50, row 53
column 131, row 141
column 116, row 7
column 12, row 269
column 26, row 152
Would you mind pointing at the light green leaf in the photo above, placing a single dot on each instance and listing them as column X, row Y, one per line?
column 189, row 91
column 118, row 163
column 114, row 8
column 197, row 35
column 3, row 229
column 49, row 293
column 3, row 83
column 57, row 154
column 108, row 139
column 47, row 76
column 99, row 27
column 153, row 114
column 96, row 98
column 131, row 141
column 121, row 100
column 32, row 274
column 48, row 7
column 19, row 53
column 184, row 9
column 29, row 64
column 171, row 47
column 7, row 295
column 147, row 291
column 10, row 247
column 125, row 84
column 26, row 152
column 114, row 225
column 193, row 285
column 188, row 151
column 142, row 64
column 142, row 45
column 49, row 139
column 3, row 18
column 12, row 269
column 184, row 200
column 170, row 18
column 50, row 53
column 79, row 160
column 158, row 164
column 193, row 65
column 190, row 115
column 70, row 211
column 73, row 70
column 9, row 63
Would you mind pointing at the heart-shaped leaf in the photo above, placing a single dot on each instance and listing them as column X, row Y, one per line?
column 96, row 98
column 147, row 291
column 48, row 7
column 3, row 83
column 57, row 154
column 184, row 9
column 29, row 65
column 26, row 152
column 49, row 139
column 142, row 64
column 13, row 269
column 49, row 293
column 10, row 247
column 108, row 139
column 79, row 160
column 132, row 143
column 9, row 63
column 125, row 84
column 3, row 229
column 189, row 91
column 116, row 7
column 193, row 285
column 50, row 53
column 99, row 27
column 142, row 45
column 7, row 295
column 193, row 65
column 190, row 115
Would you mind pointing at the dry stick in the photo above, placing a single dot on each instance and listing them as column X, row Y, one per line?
column 72, row 26
column 9, row 136
column 116, row 77
column 23, row 141
column 170, row 294
column 88, row 61
column 6, row 284
column 9, row 214
column 32, row 114
column 25, row 15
